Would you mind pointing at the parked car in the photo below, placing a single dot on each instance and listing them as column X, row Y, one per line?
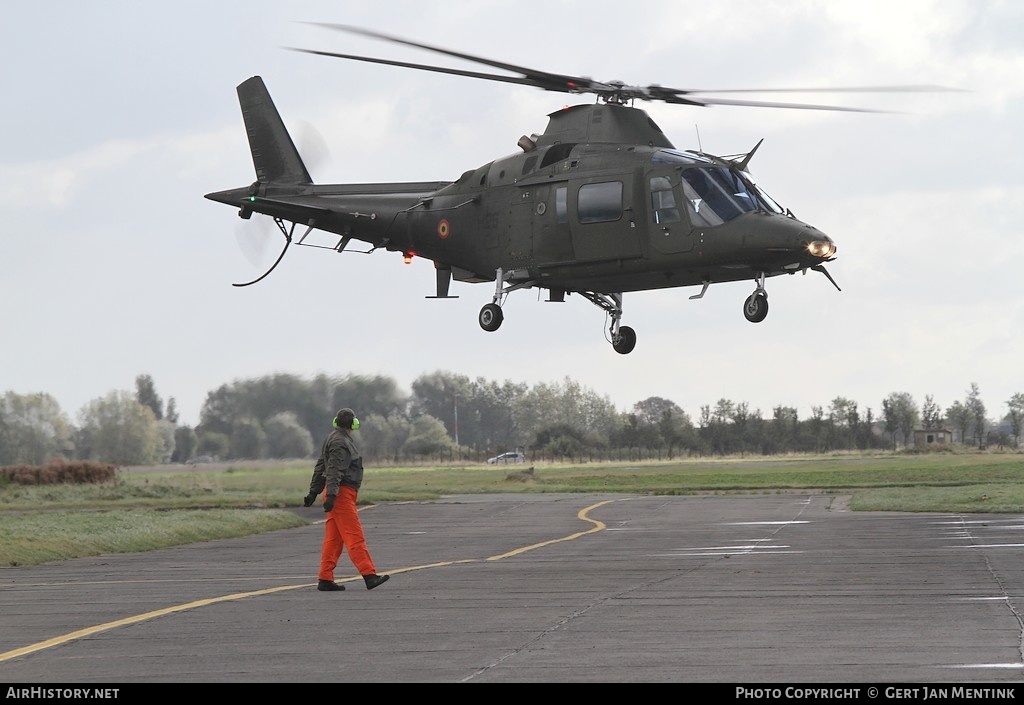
column 507, row 458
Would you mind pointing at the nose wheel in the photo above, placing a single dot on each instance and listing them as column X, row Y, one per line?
column 755, row 308
column 491, row 317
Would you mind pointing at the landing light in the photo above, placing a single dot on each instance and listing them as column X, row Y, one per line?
column 821, row 248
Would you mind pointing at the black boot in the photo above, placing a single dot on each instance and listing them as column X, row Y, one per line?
column 374, row 580
column 329, row 586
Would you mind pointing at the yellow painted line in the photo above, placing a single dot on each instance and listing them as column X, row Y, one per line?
column 89, row 631
column 598, row 526
column 99, row 628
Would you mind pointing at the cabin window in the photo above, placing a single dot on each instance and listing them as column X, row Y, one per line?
column 600, row 203
column 663, row 201
column 561, row 205
column 556, row 153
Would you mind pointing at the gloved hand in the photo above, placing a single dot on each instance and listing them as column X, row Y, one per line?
column 329, row 502
column 308, row 500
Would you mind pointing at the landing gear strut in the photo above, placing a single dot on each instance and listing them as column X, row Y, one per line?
column 622, row 338
column 491, row 316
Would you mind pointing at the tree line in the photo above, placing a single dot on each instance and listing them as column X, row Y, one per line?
column 450, row 417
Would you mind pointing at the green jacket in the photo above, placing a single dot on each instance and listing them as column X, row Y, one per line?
column 340, row 463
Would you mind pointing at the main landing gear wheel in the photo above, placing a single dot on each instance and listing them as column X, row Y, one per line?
column 491, row 317
column 626, row 341
column 755, row 308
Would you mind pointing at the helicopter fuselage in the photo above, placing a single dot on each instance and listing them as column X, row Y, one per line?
column 600, row 204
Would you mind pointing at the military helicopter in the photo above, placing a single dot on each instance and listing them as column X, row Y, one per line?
column 599, row 204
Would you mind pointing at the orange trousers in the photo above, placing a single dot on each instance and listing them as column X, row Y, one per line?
column 343, row 529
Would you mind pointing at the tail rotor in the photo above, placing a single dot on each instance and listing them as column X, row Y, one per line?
column 254, row 235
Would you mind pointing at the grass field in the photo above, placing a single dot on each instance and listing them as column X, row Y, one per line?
column 157, row 507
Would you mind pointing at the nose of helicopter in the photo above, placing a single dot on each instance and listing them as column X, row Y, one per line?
column 790, row 245
column 807, row 242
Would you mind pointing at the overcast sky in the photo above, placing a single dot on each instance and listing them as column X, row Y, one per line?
column 119, row 116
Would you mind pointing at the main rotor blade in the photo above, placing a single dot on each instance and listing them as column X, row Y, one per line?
column 541, row 79
column 694, row 96
column 611, row 91
column 423, row 67
column 674, row 95
column 693, row 100
column 923, row 88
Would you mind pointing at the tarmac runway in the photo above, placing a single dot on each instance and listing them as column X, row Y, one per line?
column 747, row 591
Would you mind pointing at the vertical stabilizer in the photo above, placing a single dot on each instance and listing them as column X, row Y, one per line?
column 273, row 153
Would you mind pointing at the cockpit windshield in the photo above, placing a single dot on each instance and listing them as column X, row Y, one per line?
column 714, row 193
column 768, row 201
column 717, row 195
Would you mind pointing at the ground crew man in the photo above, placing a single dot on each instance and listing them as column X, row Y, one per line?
column 339, row 474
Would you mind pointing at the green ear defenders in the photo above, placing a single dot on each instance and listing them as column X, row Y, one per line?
column 354, row 425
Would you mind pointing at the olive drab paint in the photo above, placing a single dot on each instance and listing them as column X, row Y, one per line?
column 599, row 204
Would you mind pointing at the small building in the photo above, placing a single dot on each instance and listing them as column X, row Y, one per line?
column 932, row 436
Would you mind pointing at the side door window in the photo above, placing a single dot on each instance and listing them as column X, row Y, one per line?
column 602, row 218
column 600, row 202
